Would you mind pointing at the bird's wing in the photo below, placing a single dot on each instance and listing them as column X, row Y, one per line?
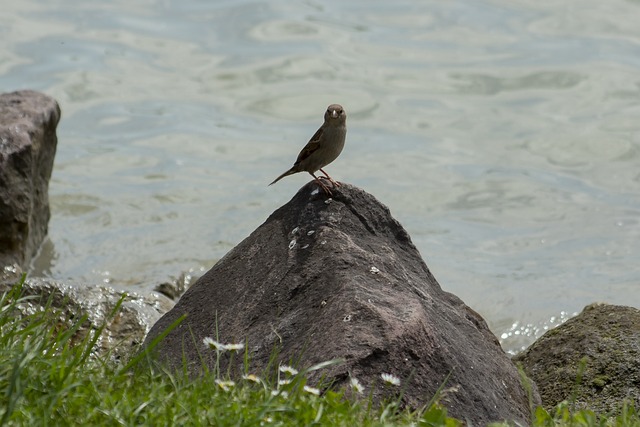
column 311, row 147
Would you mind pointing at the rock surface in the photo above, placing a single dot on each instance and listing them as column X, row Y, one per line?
column 602, row 344
column 28, row 142
column 326, row 279
column 123, row 333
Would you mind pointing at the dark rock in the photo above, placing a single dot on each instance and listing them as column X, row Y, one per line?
column 592, row 359
column 327, row 279
column 28, row 141
column 124, row 331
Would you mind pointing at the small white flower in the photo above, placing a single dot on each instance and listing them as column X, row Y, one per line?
column 211, row 343
column 251, row 377
column 282, row 393
column 234, row 347
column 283, row 382
column 225, row 385
column 218, row 346
column 356, row 386
column 311, row 390
column 285, row 369
column 390, row 379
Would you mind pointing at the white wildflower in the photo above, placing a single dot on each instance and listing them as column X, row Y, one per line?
column 211, row 343
column 285, row 369
column 356, row 386
column 234, row 347
column 252, row 377
column 311, row 390
column 282, row 393
column 218, row 346
column 225, row 385
column 390, row 379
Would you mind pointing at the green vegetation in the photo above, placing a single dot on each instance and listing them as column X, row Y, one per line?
column 50, row 374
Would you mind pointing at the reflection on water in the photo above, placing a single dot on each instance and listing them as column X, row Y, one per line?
column 517, row 337
column 503, row 135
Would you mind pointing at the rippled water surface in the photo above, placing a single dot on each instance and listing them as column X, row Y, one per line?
column 504, row 135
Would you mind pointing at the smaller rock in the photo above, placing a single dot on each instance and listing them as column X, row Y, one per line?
column 592, row 360
column 124, row 331
column 28, row 142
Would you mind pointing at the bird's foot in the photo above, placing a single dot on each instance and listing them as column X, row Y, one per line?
column 333, row 182
column 324, row 187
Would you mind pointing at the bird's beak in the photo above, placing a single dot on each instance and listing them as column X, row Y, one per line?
column 334, row 114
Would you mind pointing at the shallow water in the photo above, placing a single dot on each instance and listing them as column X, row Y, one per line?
column 504, row 135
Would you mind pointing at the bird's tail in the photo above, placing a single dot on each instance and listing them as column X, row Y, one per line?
column 287, row 173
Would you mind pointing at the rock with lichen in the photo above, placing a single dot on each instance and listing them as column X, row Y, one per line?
column 592, row 360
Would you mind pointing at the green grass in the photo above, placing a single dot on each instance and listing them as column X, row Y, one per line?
column 50, row 374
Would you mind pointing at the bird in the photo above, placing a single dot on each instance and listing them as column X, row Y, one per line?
column 323, row 148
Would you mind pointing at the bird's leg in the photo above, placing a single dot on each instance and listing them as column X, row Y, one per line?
column 321, row 184
column 336, row 183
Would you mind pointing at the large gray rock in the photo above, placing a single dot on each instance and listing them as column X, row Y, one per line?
column 28, row 141
column 325, row 279
column 592, row 359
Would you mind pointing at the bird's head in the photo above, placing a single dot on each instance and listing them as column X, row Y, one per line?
column 335, row 113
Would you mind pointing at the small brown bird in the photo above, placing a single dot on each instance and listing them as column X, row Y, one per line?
column 323, row 148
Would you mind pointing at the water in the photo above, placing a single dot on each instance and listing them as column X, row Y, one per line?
column 504, row 135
